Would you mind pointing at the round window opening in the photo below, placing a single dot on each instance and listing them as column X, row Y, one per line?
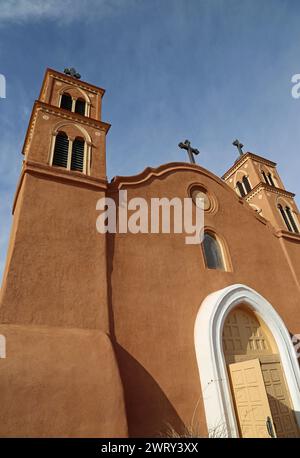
column 205, row 202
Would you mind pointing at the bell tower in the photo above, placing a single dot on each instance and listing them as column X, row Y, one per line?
column 256, row 180
column 60, row 377
column 56, row 265
column 70, row 109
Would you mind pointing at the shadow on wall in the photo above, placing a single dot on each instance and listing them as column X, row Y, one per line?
column 149, row 412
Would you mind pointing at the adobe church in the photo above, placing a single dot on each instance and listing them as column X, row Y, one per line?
column 129, row 335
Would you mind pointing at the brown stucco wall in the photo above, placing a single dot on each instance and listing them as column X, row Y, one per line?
column 56, row 272
column 61, row 376
column 157, row 284
column 291, row 247
column 66, row 288
column 60, row 383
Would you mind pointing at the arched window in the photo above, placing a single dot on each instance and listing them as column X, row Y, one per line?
column 77, row 161
column 271, row 179
column 66, row 101
column 61, row 150
column 241, row 189
column 268, row 178
column 288, row 218
column 80, row 107
column 69, row 154
column 285, row 218
column 212, row 252
column 246, row 184
column 291, row 219
column 265, row 176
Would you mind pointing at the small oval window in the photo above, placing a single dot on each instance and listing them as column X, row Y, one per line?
column 201, row 193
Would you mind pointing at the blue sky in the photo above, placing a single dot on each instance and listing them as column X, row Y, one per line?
column 206, row 70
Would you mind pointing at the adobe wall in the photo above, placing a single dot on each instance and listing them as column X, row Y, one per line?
column 56, row 269
column 157, row 284
column 60, row 383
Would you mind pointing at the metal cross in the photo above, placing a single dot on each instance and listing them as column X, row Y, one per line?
column 239, row 146
column 191, row 151
column 72, row 72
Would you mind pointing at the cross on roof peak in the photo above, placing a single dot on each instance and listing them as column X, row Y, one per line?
column 191, row 151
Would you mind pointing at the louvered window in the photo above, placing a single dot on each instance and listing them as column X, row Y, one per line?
column 80, row 107
column 60, row 156
column 77, row 155
column 66, row 102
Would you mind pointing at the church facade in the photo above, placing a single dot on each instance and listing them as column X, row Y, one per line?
column 137, row 335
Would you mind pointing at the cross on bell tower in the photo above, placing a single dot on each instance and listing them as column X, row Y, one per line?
column 72, row 72
column 239, row 146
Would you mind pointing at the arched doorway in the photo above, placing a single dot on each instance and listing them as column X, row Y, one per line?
column 219, row 402
column 260, row 394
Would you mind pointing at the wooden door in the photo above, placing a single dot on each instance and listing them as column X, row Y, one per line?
column 279, row 400
column 251, row 401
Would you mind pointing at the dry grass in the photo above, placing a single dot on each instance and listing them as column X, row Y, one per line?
column 193, row 431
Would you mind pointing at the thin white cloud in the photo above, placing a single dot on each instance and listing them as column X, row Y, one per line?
column 62, row 11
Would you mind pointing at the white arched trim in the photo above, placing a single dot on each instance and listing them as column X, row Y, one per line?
column 62, row 124
column 281, row 200
column 84, row 95
column 87, row 145
column 71, row 88
column 239, row 176
column 215, row 385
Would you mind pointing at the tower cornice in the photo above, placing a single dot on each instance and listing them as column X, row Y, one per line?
column 50, row 172
column 62, row 114
column 241, row 160
column 268, row 188
column 69, row 79
column 287, row 235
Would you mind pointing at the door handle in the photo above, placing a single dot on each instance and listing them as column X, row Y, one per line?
column 270, row 428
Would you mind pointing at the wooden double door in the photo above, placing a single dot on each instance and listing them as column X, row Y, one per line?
column 261, row 399
column 259, row 390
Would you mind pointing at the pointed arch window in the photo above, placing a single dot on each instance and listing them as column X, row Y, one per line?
column 66, row 101
column 292, row 220
column 268, row 178
column 61, row 150
column 265, row 176
column 213, row 253
column 271, row 179
column 80, row 107
column 77, row 161
column 288, row 218
column 246, row 184
column 241, row 189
